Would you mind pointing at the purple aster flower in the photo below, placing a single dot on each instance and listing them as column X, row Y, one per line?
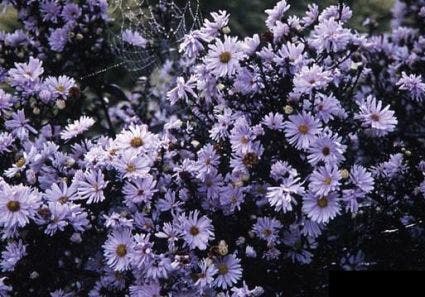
column 159, row 267
column 5, row 101
column 77, row 127
column 191, row 44
column 276, row 13
column 360, row 177
column 329, row 35
column 118, row 249
column 321, row 209
column 208, row 159
column 324, row 180
column 223, row 57
column 50, row 10
column 292, row 53
column 229, row 271
column 18, row 204
column 6, row 140
column 372, row 115
column 139, row 190
column 11, row 255
column 326, row 148
column 61, row 193
column 311, row 78
column 71, row 12
column 206, row 276
column 196, row 231
column 26, row 75
column 19, row 126
column 231, row 198
column 136, row 139
column 327, row 107
column 58, row 39
column 211, row 29
column 58, row 214
column 60, row 86
column 267, row 229
column 132, row 166
column 91, row 187
column 282, row 197
column 5, row 290
column 301, row 130
column 134, row 38
column 273, row 121
column 413, row 85
column 182, row 90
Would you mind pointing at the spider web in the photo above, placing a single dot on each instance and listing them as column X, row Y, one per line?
column 162, row 22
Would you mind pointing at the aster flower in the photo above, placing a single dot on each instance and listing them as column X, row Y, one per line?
column 281, row 198
column 326, row 148
column 77, row 127
column 132, row 166
column 223, row 57
column 229, row 271
column 372, row 115
column 6, row 140
column 413, row 85
column 60, row 86
column 274, row 121
column 12, row 254
column 60, row 193
column 267, row 229
column 58, row 39
column 329, row 35
column 206, row 276
column 196, row 231
column 311, row 78
column 327, row 107
column 118, row 249
column 324, row 180
column 71, row 12
column 50, row 10
column 321, row 209
column 25, row 75
column 292, row 53
column 19, row 125
column 5, row 101
column 57, row 218
column 18, row 204
column 136, row 139
column 139, row 190
column 182, row 90
column 91, row 187
column 134, row 38
column 301, row 130
column 191, row 44
column 210, row 29
column 360, row 177
column 276, row 13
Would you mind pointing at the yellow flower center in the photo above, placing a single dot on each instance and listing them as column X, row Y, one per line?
column 136, row 142
column 322, row 202
column 303, row 128
column 121, row 250
column 327, row 181
column 21, row 162
column 194, row 231
column 13, row 206
column 225, row 57
column 223, row 269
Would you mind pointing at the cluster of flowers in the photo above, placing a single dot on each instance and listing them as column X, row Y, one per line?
column 300, row 147
column 58, row 32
